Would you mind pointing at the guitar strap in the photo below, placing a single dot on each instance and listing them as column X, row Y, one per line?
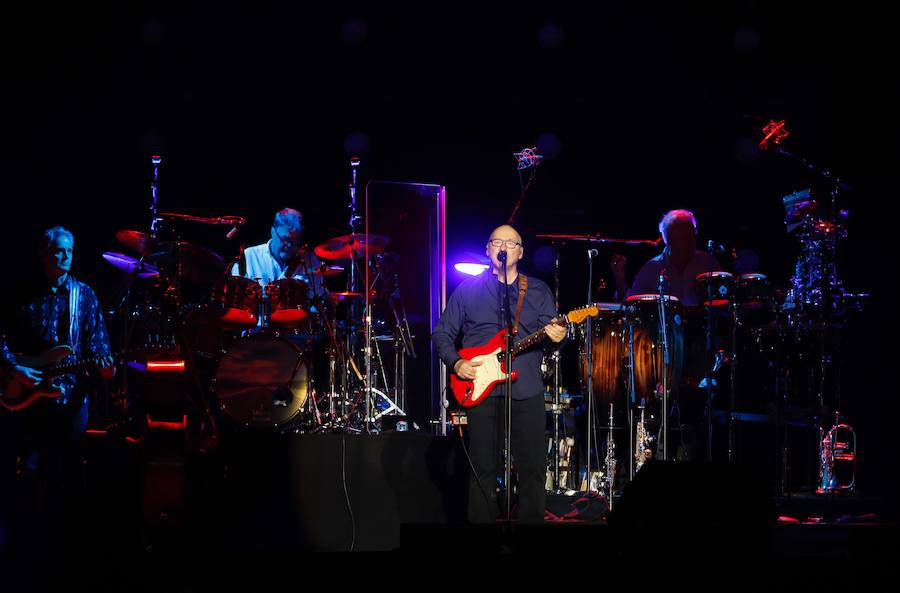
column 523, row 286
column 74, row 321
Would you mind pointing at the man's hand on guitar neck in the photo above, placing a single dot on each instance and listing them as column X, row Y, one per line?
column 466, row 369
column 106, row 367
column 556, row 332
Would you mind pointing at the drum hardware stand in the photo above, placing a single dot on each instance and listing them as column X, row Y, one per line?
column 630, row 315
column 732, row 383
column 355, row 221
column 827, row 442
column 155, row 160
column 556, row 357
column 610, row 461
column 663, row 326
column 337, row 354
column 403, row 345
column 350, row 367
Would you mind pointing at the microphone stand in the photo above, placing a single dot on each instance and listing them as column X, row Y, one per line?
column 507, row 467
column 709, row 375
column 556, row 380
column 588, row 352
column 155, row 160
column 663, row 329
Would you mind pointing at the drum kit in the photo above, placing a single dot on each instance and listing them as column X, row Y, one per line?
column 287, row 355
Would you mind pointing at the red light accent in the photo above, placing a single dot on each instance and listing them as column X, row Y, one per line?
column 717, row 303
column 163, row 425
column 172, row 366
column 95, row 431
column 775, row 132
column 132, row 440
column 784, row 519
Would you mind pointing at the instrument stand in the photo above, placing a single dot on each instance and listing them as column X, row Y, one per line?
column 830, row 287
column 630, row 315
column 556, row 357
column 610, row 461
column 664, row 333
column 588, row 351
column 507, row 355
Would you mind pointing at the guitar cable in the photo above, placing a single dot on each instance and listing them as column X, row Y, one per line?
column 481, row 487
column 346, row 491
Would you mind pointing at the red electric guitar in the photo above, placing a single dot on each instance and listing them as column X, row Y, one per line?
column 493, row 366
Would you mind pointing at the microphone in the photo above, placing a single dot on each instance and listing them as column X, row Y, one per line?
column 501, row 255
column 242, row 263
column 662, row 282
column 236, row 221
column 528, row 158
column 714, row 247
column 721, row 358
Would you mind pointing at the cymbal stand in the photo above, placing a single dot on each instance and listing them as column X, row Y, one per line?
column 403, row 345
column 338, row 356
column 155, row 160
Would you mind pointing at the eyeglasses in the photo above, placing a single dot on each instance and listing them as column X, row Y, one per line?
column 287, row 242
column 510, row 244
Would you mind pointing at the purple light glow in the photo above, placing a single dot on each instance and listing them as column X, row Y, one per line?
column 470, row 268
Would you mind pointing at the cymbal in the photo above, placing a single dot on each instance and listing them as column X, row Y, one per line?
column 130, row 265
column 324, row 270
column 800, row 210
column 343, row 296
column 194, row 263
column 139, row 241
column 345, row 246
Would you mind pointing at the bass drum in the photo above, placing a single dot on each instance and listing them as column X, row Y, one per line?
column 262, row 381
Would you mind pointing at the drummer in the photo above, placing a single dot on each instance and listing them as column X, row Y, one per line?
column 283, row 256
column 681, row 262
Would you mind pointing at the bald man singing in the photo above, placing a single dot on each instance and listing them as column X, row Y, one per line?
column 475, row 313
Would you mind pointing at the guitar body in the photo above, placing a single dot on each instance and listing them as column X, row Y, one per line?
column 15, row 395
column 491, row 372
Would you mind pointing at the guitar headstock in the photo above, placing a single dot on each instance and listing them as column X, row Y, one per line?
column 579, row 315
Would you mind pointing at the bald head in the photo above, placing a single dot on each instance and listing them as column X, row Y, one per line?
column 507, row 240
column 506, row 232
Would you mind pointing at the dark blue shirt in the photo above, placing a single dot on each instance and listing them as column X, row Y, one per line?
column 475, row 312
column 43, row 322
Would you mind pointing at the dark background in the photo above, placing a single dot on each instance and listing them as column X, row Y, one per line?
column 256, row 106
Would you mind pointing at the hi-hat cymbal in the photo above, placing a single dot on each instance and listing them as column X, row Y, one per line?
column 130, row 265
column 345, row 246
column 343, row 296
column 324, row 270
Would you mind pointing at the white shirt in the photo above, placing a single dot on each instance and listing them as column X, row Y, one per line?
column 262, row 265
